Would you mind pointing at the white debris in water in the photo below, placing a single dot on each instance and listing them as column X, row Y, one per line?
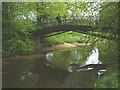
column 100, row 72
column 90, row 68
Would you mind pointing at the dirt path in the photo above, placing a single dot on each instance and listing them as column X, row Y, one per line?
column 44, row 47
column 66, row 45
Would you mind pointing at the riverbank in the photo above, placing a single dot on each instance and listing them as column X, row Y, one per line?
column 66, row 45
column 43, row 49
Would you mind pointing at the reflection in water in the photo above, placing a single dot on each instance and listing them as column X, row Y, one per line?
column 73, row 58
column 70, row 69
column 19, row 75
column 93, row 58
column 29, row 79
column 66, row 59
column 76, row 55
column 26, row 75
column 32, row 74
column 49, row 55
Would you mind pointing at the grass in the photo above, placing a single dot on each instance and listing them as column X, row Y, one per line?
column 70, row 37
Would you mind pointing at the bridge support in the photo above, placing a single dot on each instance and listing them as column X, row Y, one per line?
column 37, row 39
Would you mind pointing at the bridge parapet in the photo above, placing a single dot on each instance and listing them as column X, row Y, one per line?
column 64, row 21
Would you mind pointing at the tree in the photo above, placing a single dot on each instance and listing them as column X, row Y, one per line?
column 108, row 21
column 17, row 28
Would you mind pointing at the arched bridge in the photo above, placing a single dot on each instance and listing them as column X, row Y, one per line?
column 45, row 27
column 75, row 24
column 63, row 28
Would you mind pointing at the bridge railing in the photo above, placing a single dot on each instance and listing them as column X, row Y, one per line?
column 64, row 21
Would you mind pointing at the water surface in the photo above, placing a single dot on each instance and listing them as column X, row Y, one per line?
column 76, row 67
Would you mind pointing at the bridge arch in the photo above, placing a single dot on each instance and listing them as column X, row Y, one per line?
column 64, row 28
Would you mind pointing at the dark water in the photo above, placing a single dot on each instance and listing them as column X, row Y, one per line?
column 77, row 67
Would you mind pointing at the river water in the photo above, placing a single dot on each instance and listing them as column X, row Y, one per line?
column 76, row 67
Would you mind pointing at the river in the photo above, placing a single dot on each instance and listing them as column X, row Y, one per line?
column 73, row 67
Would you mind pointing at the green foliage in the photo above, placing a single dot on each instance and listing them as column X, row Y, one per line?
column 71, row 37
column 47, row 11
column 108, row 53
column 17, row 30
column 108, row 21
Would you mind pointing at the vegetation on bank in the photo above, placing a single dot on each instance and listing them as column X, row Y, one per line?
column 109, row 54
column 71, row 37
